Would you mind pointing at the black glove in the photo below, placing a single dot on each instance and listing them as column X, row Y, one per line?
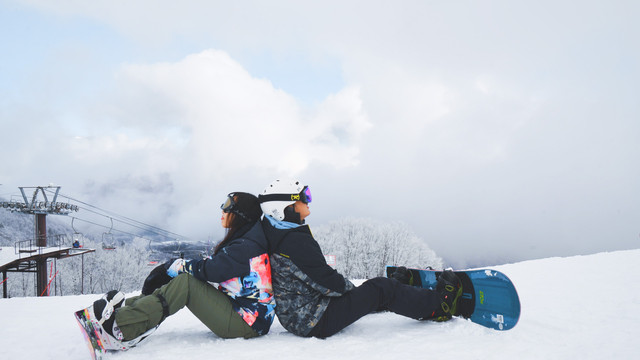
column 403, row 275
column 157, row 278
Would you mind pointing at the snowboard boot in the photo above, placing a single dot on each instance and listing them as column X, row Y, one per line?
column 98, row 324
column 450, row 289
column 403, row 275
column 104, row 310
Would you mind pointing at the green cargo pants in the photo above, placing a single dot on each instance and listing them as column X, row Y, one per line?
column 207, row 303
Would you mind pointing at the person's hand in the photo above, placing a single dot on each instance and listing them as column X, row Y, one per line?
column 176, row 268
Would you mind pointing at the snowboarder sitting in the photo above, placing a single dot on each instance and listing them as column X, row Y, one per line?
column 241, row 306
column 313, row 299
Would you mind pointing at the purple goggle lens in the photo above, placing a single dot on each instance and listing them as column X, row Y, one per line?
column 306, row 195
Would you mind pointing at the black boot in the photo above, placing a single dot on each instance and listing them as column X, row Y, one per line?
column 450, row 288
column 105, row 308
column 403, row 275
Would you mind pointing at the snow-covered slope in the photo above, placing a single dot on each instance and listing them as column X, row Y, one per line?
column 583, row 307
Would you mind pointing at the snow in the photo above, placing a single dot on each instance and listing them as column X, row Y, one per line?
column 582, row 307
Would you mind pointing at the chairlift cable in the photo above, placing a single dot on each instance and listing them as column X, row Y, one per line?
column 120, row 231
column 132, row 225
column 121, row 216
column 146, row 228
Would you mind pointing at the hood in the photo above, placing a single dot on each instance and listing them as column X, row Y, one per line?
column 254, row 233
column 274, row 235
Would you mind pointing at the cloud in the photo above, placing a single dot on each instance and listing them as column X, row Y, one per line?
column 187, row 127
column 225, row 117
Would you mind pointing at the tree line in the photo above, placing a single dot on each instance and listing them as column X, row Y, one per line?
column 362, row 248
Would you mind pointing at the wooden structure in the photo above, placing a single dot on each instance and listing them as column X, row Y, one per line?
column 24, row 257
column 33, row 257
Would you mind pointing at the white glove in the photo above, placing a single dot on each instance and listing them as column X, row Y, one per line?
column 176, row 268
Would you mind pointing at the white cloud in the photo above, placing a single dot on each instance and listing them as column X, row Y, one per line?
column 197, row 123
column 227, row 117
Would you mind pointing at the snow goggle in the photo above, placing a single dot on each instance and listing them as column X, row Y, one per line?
column 304, row 196
column 229, row 206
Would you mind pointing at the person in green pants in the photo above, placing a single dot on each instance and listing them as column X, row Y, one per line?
column 241, row 304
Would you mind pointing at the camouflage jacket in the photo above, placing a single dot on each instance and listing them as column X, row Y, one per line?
column 303, row 283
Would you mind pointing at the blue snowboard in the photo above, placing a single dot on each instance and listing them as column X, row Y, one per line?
column 489, row 297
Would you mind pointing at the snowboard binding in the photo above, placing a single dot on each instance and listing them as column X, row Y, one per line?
column 450, row 289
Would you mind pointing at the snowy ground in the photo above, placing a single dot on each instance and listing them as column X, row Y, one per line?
column 583, row 307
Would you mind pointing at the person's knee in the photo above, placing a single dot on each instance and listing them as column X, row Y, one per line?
column 183, row 277
column 383, row 286
column 179, row 284
column 180, row 280
column 382, row 282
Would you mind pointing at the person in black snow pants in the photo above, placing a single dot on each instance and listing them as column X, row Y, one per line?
column 313, row 299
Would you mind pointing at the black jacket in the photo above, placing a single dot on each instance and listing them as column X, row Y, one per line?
column 302, row 281
column 242, row 270
column 232, row 260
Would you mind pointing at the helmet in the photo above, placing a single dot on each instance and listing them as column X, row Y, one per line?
column 278, row 195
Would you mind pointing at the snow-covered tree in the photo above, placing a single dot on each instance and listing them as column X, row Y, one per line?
column 123, row 268
column 363, row 247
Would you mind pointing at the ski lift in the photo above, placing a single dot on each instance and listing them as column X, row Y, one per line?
column 108, row 242
column 155, row 257
column 77, row 240
column 177, row 252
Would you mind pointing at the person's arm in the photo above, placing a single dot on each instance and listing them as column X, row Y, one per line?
column 232, row 261
column 304, row 251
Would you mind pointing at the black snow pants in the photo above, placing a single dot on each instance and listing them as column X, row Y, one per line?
column 373, row 295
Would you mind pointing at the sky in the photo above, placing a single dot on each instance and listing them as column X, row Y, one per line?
column 497, row 131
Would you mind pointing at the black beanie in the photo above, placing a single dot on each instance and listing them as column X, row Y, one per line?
column 247, row 206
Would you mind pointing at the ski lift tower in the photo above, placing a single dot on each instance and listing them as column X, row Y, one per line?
column 40, row 253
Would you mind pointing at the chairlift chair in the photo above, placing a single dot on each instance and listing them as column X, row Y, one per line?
column 155, row 257
column 77, row 240
column 108, row 242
